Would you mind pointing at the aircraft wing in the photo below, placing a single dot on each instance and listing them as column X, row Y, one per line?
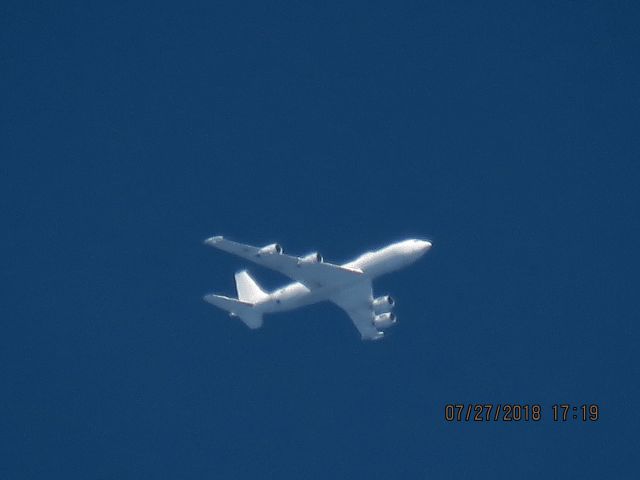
column 357, row 302
column 311, row 275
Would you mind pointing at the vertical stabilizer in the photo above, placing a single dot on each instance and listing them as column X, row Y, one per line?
column 248, row 290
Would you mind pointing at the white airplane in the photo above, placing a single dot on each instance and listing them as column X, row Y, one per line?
column 348, row 285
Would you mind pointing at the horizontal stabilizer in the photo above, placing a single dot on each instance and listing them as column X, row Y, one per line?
column 237, row 308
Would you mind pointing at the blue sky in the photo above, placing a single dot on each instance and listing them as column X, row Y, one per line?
column 505, row 132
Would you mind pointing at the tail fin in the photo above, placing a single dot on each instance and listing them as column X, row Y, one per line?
column 248, row 289
column 237, row 308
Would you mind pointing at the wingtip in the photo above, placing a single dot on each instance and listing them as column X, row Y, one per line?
column 213, row 240
column 377, row 336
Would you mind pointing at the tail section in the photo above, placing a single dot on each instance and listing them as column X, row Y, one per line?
column 237, row 308
column 248, row 290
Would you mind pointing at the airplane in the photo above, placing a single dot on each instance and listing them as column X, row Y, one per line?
column 348, row 285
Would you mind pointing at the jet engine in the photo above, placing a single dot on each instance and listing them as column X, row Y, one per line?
column 383, row 304
column 271, row 249
column 385, row 320
column 311, row 258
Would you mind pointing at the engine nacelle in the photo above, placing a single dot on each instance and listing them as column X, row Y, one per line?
column 311, row 258
column 385, row 320
column 383, row 304
column 274, row 248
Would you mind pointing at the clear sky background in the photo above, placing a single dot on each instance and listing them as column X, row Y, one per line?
column 506, row 132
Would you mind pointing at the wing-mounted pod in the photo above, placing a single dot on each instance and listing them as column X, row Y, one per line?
column 273, row 249
column 383, row 304
column 378, row 336
column 385, row 320
column 314, row 257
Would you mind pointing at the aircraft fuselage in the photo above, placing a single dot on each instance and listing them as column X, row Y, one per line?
column 372, row 264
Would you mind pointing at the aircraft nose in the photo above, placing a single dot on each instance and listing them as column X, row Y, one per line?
column 423, row 246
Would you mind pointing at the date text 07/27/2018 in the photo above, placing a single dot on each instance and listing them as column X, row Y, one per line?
column 512, row 412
